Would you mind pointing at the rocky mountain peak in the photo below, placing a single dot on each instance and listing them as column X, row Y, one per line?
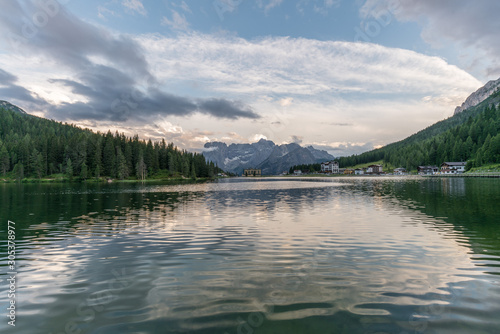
column 9, row 106
column 479, row 95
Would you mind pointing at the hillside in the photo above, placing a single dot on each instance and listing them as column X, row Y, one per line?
column 471, row 135
column 35, row 147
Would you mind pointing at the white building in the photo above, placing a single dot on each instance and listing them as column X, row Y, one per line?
column 453, row 167
column 359, row 171
column 400, row 171
column 330, row 167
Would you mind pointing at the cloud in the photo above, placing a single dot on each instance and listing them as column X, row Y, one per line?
column 184, row 7
column 269, row 5
column 300, row 68
column 178, row 21
column 10, row 91
column 297, row 139
column 105, row 76
column 319, row 6
column 473, row 24
column 227, row 109
column 103, row 12
column 135, row 6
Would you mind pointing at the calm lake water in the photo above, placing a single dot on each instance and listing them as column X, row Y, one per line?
column 299, row 255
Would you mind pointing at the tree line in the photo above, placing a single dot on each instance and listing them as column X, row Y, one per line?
column 36, row 147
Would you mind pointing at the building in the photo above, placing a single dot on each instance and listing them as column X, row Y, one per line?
column 359, row 171
column 297, row 172
column 252, row 172
column 374, row 169
column 348, row 171
column 330, row 167
column 453, row 167
column 400, row 171
column 427, row 170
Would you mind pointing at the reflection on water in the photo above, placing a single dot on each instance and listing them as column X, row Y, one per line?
column 341, row 255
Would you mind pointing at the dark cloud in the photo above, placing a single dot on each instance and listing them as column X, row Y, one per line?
column 226, row 109
column 10, row 91
column 341, row 124
column 112, row 91
column 297, row 139
column 6, row 78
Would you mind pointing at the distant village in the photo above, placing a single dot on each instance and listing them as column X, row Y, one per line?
column 332, row 167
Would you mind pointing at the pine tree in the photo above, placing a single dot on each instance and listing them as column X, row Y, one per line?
column 4, row 160
column 141, row 169
column 69, row 168
column 193, row 171
column 121, row 165
column 83, row 173
column 36, row 162
column 19, row 171
column 109, row 158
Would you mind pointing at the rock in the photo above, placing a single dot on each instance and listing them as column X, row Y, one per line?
column 479, row 96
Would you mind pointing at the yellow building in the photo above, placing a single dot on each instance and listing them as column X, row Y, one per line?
column 252, row 172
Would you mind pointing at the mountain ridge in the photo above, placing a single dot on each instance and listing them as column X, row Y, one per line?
column 479, row 95
column 9, row 106
column 264, row 154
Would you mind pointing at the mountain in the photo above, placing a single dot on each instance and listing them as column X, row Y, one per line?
column 479, row 96
column 265, row 154
column 9, row 106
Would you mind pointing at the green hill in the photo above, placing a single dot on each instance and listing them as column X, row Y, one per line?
column 35, row 147
column 472, row 135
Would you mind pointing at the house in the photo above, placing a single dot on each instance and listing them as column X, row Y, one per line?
column 359, row 171
column 453, row 167
column 297, row 172
column 330, row 167
column 400, row 171
column 374, row 169
column 349, row 171
column 427, row 170
column 252, row 172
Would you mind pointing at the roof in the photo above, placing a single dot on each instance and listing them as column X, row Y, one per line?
column 454, row 163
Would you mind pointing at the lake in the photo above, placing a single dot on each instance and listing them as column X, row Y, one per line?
column 271, row 255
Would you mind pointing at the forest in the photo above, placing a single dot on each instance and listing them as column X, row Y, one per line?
column 472, row 135
column 34, row 147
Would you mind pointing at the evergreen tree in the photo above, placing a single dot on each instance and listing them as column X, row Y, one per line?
column 36, row 162
column 19, row 171
column 121, row 165
column 69, row 168
column 83, row 172
column 109, row 158
column 4, row 160
column 193, row 171
column 141, row 169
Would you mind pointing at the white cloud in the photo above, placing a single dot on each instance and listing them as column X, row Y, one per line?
column 103, row 12
column 135, row 6
column 270, row 4
column 178, row 21
column 303, row 67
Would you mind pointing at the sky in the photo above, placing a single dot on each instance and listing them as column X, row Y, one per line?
column 343, row 76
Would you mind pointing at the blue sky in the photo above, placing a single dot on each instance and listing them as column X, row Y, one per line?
column 345, row 76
